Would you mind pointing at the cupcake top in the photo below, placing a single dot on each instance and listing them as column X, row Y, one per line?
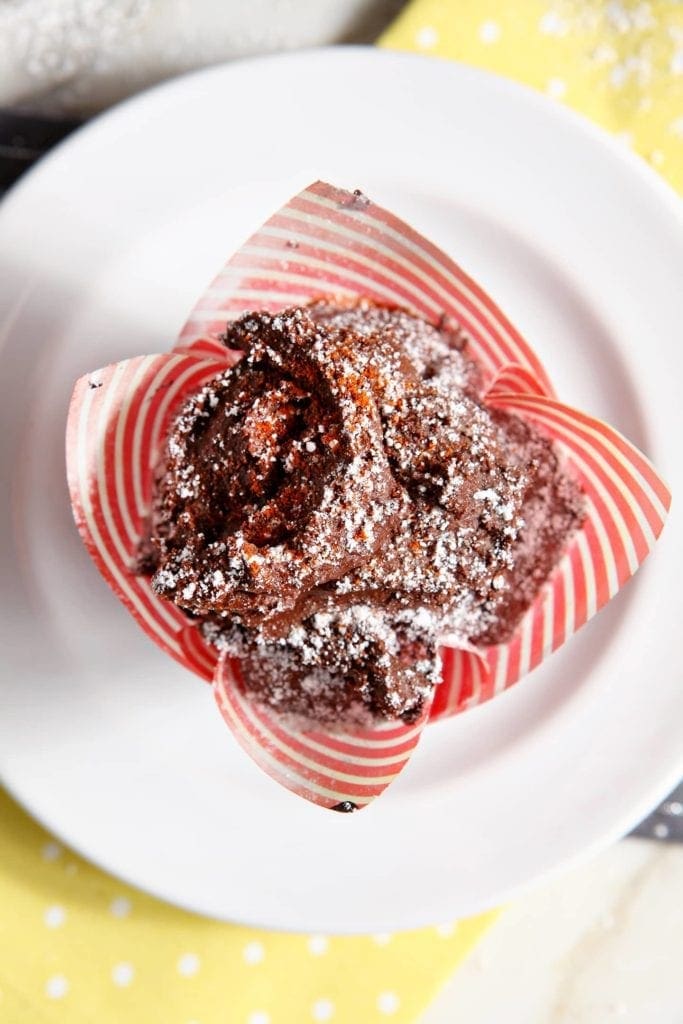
column 342, row 498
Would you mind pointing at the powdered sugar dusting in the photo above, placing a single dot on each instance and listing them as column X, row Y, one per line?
column 342, row 498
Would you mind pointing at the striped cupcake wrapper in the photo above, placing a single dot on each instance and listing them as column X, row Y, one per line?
column 327, row 241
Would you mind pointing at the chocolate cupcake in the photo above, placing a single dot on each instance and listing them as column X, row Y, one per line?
column 342, row 499
column 353, row 520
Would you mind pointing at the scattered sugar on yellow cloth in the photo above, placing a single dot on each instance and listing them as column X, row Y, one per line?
column 78, row 946
column 620, row 62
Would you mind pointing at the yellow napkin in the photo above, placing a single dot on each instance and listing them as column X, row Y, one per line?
column 620, row 62
column 78, row 946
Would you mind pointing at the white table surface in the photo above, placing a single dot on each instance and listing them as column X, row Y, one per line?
column 602, row 943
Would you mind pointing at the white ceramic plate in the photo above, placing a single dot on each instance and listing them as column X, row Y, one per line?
column 103, row 249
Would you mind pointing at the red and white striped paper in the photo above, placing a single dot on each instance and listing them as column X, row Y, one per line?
column 327, row 241
column 330, row 769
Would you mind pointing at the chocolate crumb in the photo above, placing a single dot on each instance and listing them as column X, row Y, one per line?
column 355, row 201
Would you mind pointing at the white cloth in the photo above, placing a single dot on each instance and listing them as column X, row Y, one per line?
column 77, row 56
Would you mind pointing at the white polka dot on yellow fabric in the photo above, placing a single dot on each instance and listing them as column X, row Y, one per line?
column 556, row 88
column 54, row 916
column 56, row 987
column 388, row 1003
column 322, row 1010
column 258, row 1017
column 253, row 953
column 188, row 965
column 317, row 945
column 382, row 938
column 51, row 851
column 427, row 37
column 122, row 974
column 489, row 32
column 446, row 929
column 120, row 906
column 552, row 24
